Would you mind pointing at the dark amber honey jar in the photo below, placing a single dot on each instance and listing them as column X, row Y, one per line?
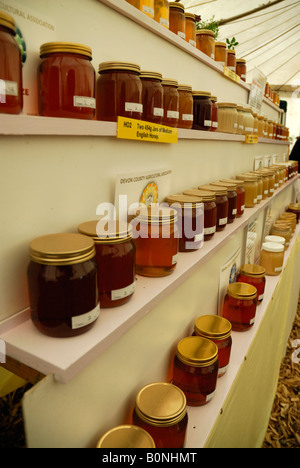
column 221, row 202
column 190, row 215
column 195, row 369
column 231, row 60
column 241, row 69
column 11, row 90
column 190, row 28
column 186, row 115
column 214, row 114
column 240, row 191
column 205, row 41
column 119, row 91
column 171, row 103
column 218, row 330
column 177, row 19
column 62, row 283
column 115, row 258
column 232, row 198
column 160, row 409
column 255, row 275
column 126, row 436
column 153, row 97
column 156, row 241
column 240, row 305
column 202, row 110
column 66, row 81
column 210, row 210
column 294, row 208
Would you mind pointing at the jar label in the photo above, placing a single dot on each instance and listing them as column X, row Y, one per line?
column 223, row 221
column 266, row 192
column 259, row 197
column 84, row 101
column 207, row 123
column 275, row 185
column 148, row 10
column 193, row 43
column 235, row 125
column 243, row 208
column 215, row 124
column 243, row 76
column 158, row 112
column 181, row 34
column 133, row 107
column 172, row 114
column 209, row 230
column 231, row 68
column 189, row 117
column 222, row 370
column 198, row 237
column 255, row 200
column 234, row 211
column 123, row 292
column 270, row 135
column 252, row 321
column 8, row 88
column 174, row 259
column 271, row 190
column 210, row 396
column 80, row 321
column 278, row 268
column 164, row 22
column 248, row 129
column 260, row 297
column 212, row 56
column 241, row 127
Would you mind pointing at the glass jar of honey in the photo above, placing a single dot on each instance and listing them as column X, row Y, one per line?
column 221, row 53
column 205, row 42
column 115, row 258
column 190, row 216
column 66, row 81
column 177, row 19
column 171, row 103
column 218, row 330
column 156, row 240
column 248, row 121
column 255, row 275
column 160, row 409
column 210, row 211
column 283, row 231
column 231, row 60
column 265, row 182
column 232, row 198
column 147, row 7
column 202, row 110
column 190, row 28
column 152, row 97
column 126, row 436
column 260, row 127
column 135, row 3
column 195, row 369
column 221, row 202
column 240, row 305
column 240, row 191
column 241, row 69
column 162, row 12
column 214, row 114
column 271, row 177
column 62, row 284
column 255, row 126
column 240, row 120
column 119, row 91
column 271, row 258
column 260, row 185
column 251, row 189
column 289, row 216
column 227, row 117
column 294, row 208
column 186, row 103
column 11, row 80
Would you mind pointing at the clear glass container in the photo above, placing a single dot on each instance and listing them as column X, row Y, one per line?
column 202, row 110
column 11, row 79
column 177, row 19
column 152, row 97
column 126, row 436
column 232, row 198
column 240, row 305
column 66, row 81
column 240, row 120
column 248, row 121
column 240, row 191
column 260, row 127
column 227, row 117
column 62, row 284
column 221, row 53
column 251, row 189
column 205, row 41
column 222, row 204
column 255, row 275
column 271, row 258
column 231, row 60
column 190, row 28
column 186, row 103
column 289, row 216
column 241, row 69
column 171, row 102
column 283, row 231
column 162, row 12
column 210, row 210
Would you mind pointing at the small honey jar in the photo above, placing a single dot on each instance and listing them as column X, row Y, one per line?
column 240, row 305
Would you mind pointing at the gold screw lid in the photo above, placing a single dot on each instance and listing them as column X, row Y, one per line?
column 216, row 190
column 201, row 93
column 231, row 51
column 253, row 270
column 240, row 60
column 190, row 16
column 243, row 291
column 220, row 44
column 126, row 436
column 156, row 214
column 161, row 404
column 294, row 206
column 207, row 32
column 177, row 5
column 8, row 22
column 204, row 195
column 213, row 327
column 170, row 82
column 65, row 47
column 184, row 87
column 230, row 187
column 150, row 74
column 103, row 232
column 197, row 351
column 62, row 249
column 106, row 66
column 227, row 104
column 183, row 200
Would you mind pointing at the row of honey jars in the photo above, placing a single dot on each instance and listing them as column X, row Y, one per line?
column 272, row 95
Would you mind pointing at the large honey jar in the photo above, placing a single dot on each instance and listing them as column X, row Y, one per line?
column 127, row 436
column 171, row 102
column 153, row 97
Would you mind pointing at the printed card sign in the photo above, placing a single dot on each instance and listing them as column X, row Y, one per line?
column 132, row 129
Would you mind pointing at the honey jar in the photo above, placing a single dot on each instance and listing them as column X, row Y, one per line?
column 160, row 409
column 227, row 117
column 240, row 191
column 202, row 110
column 11, row 80
column 283, row 231
column 260, row 127
column 156, row 240
column 115, row 258
column 240, row 120
column 218, row 330
column 171, row 102
column 162, row 12
column 59, row 95
column 241, row 69
column 127, row 436
column 190, row 28
column 221, row 53
column 152, row 97
column 251, row 189
column 177, row 19
column 271, row 258
column 147, row 7
column 186, row 103
column 210, row 210
column 195, row 369
column 135, row 3
column 294, row 208
column 205, row 42
column 221, row 202
column 232, row 198
column 231, row 60
column 214, row 114
column 62, row 284
column 119, row 91
column 240, row 305
column 291, row 217
column 255, row 275
column 248, row 121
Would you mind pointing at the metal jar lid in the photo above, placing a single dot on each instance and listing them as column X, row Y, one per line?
column 253, row 270
column 204, row 195
column 151, row 74
column 242, row 291
column 156, row 214
column 229, row 187
column 161, row 404
column 197, row 351
column 178, row 5
column 207, row 32
column 126, row 436
column 202, row 93
column 216, row 190
column 62, row 249
column 106, row 232
column 213, row 327
column 184, row 87
column 126, row 66
column 169, row 82
column 8, row 22
column 184, row 200
column 227, row 105
column 65, row 47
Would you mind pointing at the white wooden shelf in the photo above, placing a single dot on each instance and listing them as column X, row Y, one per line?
column 64, row 358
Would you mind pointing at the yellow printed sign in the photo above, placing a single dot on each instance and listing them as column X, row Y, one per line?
column 230, row 74
column 251, row 139
column 132, row 129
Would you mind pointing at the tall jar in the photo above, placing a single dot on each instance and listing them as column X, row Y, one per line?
column 202, row 110
column 11, row 89
column 135, row 3
column 240, row 120
column 155, row 235
column 171, row 103
column 241, row 69
column 221, row 53
column 265, row 182
column 240, row 305
column 152, row 97
column 260, row 185
column 218, row 330
column 240, row 191
column 227, row 117
column 255, row 126
column 231, row 60
column 251, row 189
column 221, row 202
column 214, row 114
column 255, row 275
column 126, row 436
column 115, row 258
column 147, row 7
column 271, row 177
column 282, row 230
column 190, row 216
column 59, row 94
column 248, row 121
column 265, row 127
column 271, row 258
column 177, row 19
column 210, row 211
column 62, row 284
column 232, row 198
column 294, row 208
column 160, row 409
column 205, row 40
column 186, row 105
column 162, row 12
column 119, row 91
column 260, row 127
column 195, row 369
column 190, row 28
